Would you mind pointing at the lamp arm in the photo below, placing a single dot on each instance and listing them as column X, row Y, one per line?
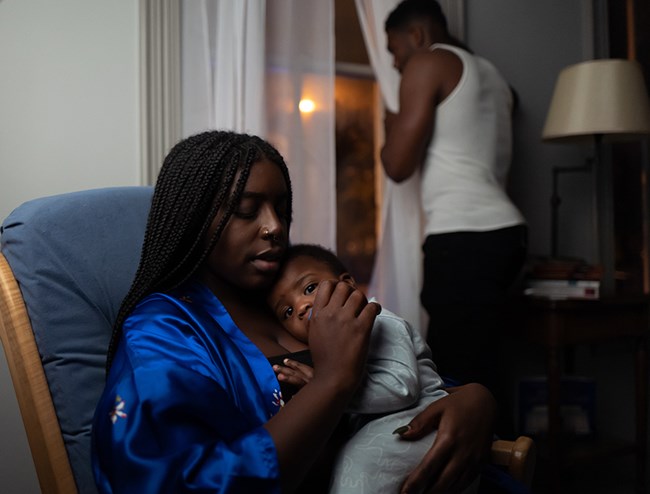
column 556, row 200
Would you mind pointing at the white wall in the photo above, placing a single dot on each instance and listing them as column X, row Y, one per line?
column 530, row 45
column 68, row 97
column 69, row 120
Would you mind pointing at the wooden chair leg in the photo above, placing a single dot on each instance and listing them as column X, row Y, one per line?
column 518, row 457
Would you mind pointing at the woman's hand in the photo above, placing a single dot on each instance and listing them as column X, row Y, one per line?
column 339, row 333
column 465, row 422
column 294, row 372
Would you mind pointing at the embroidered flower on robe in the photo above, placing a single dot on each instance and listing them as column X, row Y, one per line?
column 118, row 409
column 277, row 398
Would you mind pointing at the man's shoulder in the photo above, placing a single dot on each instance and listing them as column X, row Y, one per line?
column 433, row 65
column 436, row 57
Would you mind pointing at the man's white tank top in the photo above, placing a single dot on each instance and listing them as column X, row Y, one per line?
column 465, row 170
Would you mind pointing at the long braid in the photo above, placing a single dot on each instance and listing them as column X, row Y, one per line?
column 200, row 176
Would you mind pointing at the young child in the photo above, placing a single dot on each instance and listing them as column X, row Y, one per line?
column 400, row 380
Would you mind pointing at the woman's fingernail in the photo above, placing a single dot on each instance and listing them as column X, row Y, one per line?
column 401, row 430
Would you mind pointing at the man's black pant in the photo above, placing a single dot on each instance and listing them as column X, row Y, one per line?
column 467, row 277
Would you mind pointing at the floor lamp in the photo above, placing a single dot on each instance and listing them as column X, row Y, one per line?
column 597, row 101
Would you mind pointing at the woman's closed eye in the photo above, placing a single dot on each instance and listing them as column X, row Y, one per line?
column 246, row 213
column 248, row 208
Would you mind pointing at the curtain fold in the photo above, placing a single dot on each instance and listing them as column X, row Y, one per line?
column 300, row 65
column 397, row 274
column 246, row 64
column 222, row 61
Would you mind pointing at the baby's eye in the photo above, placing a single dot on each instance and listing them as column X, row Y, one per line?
column 311, row 288
column 288, row 312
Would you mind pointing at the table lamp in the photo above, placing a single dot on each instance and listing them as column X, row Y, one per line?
column 592, row 101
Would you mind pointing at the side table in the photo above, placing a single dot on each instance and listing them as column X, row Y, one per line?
column 558, row 326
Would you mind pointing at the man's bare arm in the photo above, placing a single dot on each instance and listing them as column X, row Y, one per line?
column 427, row 79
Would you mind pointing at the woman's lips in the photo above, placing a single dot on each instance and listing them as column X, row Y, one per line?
column 266, row 265
column 268, row 260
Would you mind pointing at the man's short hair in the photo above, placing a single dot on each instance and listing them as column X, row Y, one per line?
column 409, row 11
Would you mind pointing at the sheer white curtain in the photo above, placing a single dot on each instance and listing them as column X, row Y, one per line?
column 246, row 64
column 300, row 65
column 397, row 275
column 222, row 60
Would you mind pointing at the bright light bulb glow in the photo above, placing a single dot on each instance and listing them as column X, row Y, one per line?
column 306, row 106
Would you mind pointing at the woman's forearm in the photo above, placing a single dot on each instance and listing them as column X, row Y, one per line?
column 303, row 427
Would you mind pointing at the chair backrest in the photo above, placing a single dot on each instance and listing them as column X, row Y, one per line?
column 73, row 257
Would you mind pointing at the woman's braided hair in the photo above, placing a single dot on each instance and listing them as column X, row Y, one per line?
column 199, row 176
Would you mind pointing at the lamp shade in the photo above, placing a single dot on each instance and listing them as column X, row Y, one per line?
column 598, row 97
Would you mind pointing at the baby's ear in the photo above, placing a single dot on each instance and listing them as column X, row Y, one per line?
column 347, row 277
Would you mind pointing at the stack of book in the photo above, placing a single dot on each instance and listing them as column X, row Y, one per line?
column 563, row 279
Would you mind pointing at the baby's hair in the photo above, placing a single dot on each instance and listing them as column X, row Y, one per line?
column 200, row 176
column 317, row 253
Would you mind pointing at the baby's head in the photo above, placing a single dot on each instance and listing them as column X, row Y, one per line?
column 292, row 296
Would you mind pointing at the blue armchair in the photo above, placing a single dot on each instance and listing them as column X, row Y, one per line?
column 73, row 257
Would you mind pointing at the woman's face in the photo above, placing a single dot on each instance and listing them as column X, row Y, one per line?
column 248, row 253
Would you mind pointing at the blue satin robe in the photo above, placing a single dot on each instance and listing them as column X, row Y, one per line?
column 185, row 402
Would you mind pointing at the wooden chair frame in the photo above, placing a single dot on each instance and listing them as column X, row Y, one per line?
column 32, row 390
column 517, row 457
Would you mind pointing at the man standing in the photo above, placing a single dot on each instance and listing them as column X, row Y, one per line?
column 454, row 124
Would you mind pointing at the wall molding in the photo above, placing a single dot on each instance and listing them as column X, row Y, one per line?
column 160, row 83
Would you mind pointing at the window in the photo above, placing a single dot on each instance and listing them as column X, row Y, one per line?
column 356, row 117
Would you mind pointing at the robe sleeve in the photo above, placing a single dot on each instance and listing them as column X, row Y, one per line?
column 391, row 382
column 165, row 425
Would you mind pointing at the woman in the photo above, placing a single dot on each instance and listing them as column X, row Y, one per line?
column 191, row 402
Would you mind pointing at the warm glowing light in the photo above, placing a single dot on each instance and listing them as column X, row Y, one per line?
column 306, row 106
